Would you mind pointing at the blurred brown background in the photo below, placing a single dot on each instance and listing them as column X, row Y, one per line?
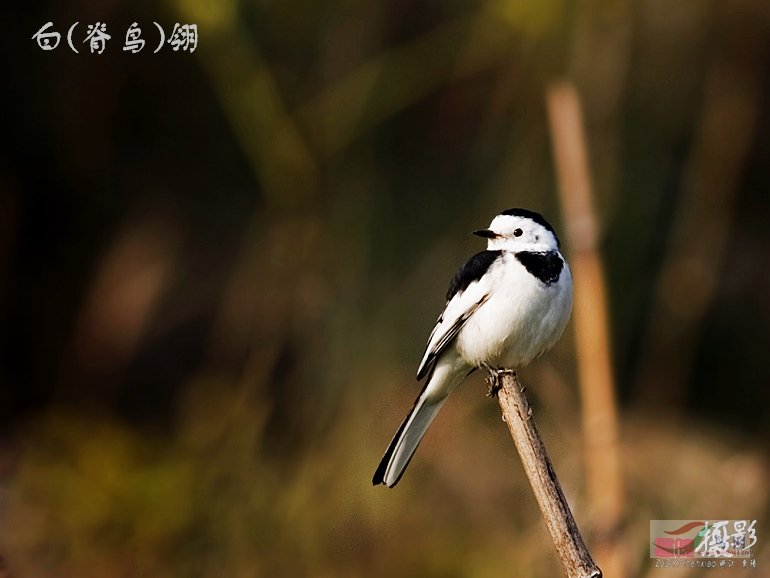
column 218, row 271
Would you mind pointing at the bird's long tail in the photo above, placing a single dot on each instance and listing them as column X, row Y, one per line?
column 401, row 449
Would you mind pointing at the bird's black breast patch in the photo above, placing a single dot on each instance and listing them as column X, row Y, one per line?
column 472, row 271
column 546, row 265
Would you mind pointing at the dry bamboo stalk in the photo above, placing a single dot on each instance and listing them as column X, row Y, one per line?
column 599, row 413
column 517, row 414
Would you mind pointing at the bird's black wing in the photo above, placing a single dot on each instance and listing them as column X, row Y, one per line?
column 464, row 296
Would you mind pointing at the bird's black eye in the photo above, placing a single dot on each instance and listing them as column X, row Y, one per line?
column 518, row 233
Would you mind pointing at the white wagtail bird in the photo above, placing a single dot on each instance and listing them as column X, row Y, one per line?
column 505, row 307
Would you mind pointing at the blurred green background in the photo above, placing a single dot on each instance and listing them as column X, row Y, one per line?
column 218, row 271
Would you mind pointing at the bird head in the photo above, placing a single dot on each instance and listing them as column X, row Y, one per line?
column 519, row 230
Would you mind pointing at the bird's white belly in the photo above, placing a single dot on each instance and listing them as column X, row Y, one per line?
column 520, row 321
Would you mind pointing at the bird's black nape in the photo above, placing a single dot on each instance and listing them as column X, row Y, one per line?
column 536, row 217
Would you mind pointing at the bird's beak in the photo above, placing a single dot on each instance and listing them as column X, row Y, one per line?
column 486, row 233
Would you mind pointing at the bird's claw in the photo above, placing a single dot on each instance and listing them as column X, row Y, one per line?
column 493, row 379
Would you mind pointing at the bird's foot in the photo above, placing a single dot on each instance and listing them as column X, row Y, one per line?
column 493, row 386
column 493, row 379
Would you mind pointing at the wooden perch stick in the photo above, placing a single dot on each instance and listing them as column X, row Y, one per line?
column 517, row 413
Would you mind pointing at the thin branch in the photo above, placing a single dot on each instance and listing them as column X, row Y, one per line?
column 517, row 414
